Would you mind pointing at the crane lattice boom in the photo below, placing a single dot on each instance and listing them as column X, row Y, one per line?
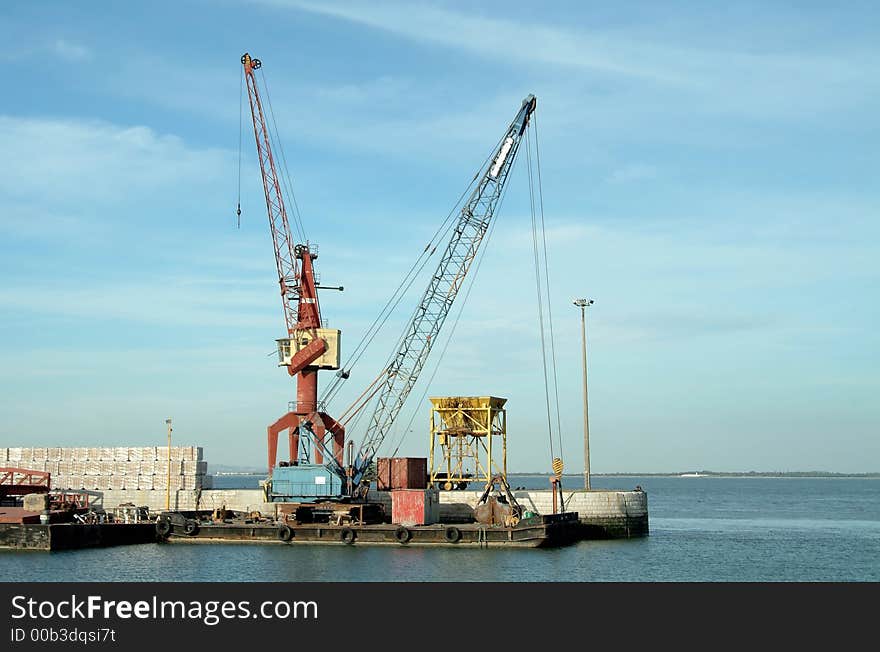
column 285, row 259
column 472, row 225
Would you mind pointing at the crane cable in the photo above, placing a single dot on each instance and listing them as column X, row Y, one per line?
column 470, row 285
column 447, row 229
column 240, row 104
column 284, row 173
column 540, row 300
column 383, row 315
column 402, row 288
column 547, row 280
column 438, row 235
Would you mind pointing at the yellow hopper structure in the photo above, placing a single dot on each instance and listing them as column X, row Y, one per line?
column 465, row 434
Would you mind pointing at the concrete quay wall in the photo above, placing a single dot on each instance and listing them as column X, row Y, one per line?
column 603, row 513
column 242, row 500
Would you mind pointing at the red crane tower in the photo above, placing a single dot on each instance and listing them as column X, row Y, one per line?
column 308, row 347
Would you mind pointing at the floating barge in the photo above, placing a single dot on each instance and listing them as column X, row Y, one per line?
column 540, row 531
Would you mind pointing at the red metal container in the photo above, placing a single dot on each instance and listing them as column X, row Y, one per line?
column 401, row 473
column 409, row 473
column 415, row 506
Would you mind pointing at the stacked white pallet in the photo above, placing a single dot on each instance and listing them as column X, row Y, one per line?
column 52, row 468
column 193, row 467
column 144, row 468
column 161, row 467
column 92, row 468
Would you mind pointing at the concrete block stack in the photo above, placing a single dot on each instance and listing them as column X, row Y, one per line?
column 114, row 468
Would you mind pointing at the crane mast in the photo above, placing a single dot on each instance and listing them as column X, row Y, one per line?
column 472, row 225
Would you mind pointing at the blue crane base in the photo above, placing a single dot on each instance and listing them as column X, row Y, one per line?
column 305, row 483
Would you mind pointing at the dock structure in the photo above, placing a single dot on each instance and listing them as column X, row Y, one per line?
column 140, row 481
column 606, row 514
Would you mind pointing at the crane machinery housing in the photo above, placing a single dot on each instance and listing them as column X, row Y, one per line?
column 313, row 472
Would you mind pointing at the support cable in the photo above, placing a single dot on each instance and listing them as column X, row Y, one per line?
column 402, row 288
column 547, row 285
column 470, row 285
column 537, row 268
column 240, row 110
column 285, row 176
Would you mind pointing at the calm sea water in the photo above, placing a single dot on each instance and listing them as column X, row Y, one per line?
column 702, row 529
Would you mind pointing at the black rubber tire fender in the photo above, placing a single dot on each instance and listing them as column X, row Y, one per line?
column 284, row 532
column 402, row 534
column 347, row 535
column 163, row 527
column 452, row 534
column 191, row 527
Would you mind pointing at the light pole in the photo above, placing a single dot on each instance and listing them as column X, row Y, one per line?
column 168, row 484
column 583, row 304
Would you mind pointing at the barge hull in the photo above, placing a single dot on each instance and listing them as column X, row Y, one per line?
column 73, row 536
column 544, row 531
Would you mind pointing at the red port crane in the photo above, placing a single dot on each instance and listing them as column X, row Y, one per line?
column 308, row 347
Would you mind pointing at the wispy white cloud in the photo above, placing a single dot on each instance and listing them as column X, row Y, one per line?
column 498, row 38
column 71, row 50
column 633, row 173
column 77, row 160
column 166, row 300
column 61, row 48
column 717, row 80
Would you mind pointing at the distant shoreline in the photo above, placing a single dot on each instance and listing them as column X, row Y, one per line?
column 729, row 474
column 705, row 474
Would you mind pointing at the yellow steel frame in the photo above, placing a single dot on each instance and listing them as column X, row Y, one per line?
column 463, row 430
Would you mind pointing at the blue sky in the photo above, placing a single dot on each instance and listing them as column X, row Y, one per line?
column 710, row 177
